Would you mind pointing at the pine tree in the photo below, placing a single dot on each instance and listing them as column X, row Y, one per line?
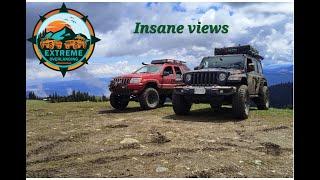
column 32, row 95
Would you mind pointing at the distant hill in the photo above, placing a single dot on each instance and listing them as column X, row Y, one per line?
column 277, row 75
column 96, row 87
column 48, row 35
column 62, row 35
column 281, row 95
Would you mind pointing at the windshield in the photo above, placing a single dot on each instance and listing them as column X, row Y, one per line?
column 236, row 62
column 148, row 69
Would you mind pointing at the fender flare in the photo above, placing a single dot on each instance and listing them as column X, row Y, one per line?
column 151, row 82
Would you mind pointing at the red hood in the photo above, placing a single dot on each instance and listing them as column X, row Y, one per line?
column 137, row 75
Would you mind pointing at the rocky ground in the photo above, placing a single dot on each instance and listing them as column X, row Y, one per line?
column 90, row 139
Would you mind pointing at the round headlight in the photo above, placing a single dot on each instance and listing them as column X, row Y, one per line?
column 222, row 76
column 188, row 77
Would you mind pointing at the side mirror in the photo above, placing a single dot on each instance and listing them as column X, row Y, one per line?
column 165, row 73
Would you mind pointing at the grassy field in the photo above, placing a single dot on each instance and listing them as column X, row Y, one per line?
column 85, row 139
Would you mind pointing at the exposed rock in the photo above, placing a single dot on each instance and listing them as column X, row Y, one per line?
column 129, row 143
column 161, row 169
column 257, row 162
column 157, row 137
column 271, row 148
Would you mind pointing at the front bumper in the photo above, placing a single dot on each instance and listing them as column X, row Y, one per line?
column 126, row 89
column 206, row 90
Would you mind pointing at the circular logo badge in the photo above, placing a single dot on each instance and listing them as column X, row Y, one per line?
column 63, row 39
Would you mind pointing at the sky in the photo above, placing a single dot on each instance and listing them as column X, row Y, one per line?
column 266, row 26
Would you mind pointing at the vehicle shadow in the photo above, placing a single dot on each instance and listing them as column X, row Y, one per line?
column 128, row 109
column 207, row 115
column 167, row 105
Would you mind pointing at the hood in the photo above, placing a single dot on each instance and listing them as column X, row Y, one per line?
column 137, row 75
column 231, row 71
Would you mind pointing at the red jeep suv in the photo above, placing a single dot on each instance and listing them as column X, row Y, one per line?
column 150, row 85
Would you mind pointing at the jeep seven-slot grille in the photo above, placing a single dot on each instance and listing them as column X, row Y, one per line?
column 123, row 81
column 203, row 79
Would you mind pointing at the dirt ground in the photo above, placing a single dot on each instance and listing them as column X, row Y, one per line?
column 90, row 139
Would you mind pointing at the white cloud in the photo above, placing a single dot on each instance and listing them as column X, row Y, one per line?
column 199, row 48
column 89, row 78
column 122, row 41
column 69, row 91
column 278, row 46
column 107, row 70
column 35, row 71
column 194, row 7
column 275, row 8
column 38, row 90
column 268, row 26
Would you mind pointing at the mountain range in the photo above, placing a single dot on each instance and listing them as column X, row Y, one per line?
column 279, row 74
column 281, row 95
column 97, row 87
column 63, row 34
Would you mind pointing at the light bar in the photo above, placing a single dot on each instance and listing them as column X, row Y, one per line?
column 162, row 61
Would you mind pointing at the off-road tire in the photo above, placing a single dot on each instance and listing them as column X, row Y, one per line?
column 240, row 103
column 262, row 101
column 180, row 105
column 162, row 100
column 145, row 99
column 118, row 102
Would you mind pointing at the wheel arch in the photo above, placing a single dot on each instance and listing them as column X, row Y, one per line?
column 152, row 84
column 265, row 83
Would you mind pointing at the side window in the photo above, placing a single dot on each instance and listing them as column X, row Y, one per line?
column 260, row 67
column 250, row 68
column 178, row 71
column 168, row 70
column 256, row 66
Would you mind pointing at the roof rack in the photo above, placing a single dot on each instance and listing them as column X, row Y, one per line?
column 245, row 49
column 162, row 61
